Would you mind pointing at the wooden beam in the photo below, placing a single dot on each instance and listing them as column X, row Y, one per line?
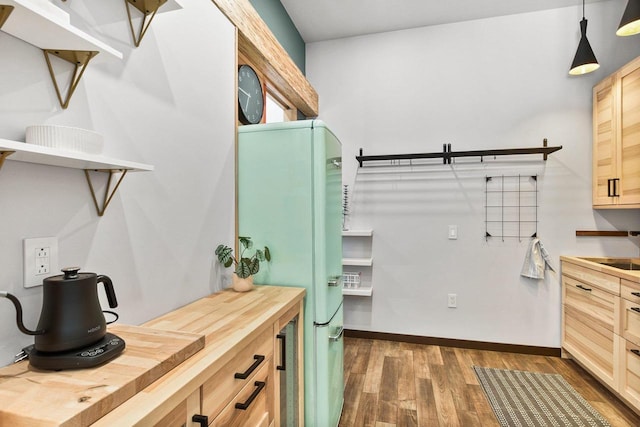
column 259, row 45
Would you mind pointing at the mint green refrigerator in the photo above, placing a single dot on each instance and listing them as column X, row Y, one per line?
column 289, row 199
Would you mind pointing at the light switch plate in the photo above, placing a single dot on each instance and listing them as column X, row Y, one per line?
column 453, row 232
column 40, row 260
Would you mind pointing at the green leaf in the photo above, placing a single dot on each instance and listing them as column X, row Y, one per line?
column 267, row 254
column 254, row 265
column 260, row 255
column 245, row 242
column 224, row 255
column 243, row 269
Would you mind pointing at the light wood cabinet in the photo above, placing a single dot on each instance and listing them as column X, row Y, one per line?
column 616, row 139
column 590, row 317
column 233, row 381
column 601, row 324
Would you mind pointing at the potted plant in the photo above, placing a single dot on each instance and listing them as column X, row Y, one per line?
column 246, row 266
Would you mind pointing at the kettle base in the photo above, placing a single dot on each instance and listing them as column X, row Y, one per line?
column 102, row 351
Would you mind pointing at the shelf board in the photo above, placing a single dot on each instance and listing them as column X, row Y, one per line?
column 50, row 29
column 357, row 233
column 31, row 153
column 363, row 262
column 358, row 292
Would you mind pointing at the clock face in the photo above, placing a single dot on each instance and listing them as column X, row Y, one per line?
column 250, row 96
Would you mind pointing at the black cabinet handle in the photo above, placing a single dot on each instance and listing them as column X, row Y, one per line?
column 609, row 194
column 636, row 352
column 244, row 375
column 636, row 309
column 283, row 352
column 635, row 294
column 259, row 386
column 583, row 288
column 203, row 420
column 615, row 187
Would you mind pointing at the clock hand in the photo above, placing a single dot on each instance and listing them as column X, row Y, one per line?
column 244, row 91
column 247, row 105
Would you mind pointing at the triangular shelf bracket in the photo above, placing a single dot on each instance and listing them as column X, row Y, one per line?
column 148, row 8
column 5, row 11
column 108, row 195
column 4, row 155
column 79, row 59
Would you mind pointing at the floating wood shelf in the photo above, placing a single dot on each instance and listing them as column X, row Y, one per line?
column 446, row 154
column 606, row 233
column 29, row 153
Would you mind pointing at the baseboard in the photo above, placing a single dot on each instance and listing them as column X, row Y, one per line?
column 448, row 342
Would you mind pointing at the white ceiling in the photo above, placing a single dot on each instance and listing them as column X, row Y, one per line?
column 318, row 20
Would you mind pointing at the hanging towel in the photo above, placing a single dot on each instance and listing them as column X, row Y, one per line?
column 536, row 261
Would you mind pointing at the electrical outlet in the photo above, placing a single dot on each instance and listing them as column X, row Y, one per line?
column 453, row 232
column 40, row 259
column 452, row 300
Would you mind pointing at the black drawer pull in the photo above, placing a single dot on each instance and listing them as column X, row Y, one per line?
column 635, row 294
column 636, row 352
column 244, row 375
column 203, row 420
column 259, row 386
column 636, row 309
column 583, row 288
column 283, row 352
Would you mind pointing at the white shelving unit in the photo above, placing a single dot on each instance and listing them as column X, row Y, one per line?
column 30, row 153
column 364, row 289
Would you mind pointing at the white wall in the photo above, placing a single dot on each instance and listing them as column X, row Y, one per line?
column 491, row 83
column 169, row 103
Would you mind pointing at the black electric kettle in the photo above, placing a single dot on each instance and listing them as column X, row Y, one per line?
column 71, row 315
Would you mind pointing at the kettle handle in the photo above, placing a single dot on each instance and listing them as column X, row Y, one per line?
column 108, row 287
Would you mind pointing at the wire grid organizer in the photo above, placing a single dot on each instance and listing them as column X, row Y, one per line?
column 511, row 206
column 351, row 279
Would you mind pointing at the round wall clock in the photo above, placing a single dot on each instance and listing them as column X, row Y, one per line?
column 250, row 96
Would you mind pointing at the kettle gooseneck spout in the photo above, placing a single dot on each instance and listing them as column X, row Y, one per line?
column 18, row 306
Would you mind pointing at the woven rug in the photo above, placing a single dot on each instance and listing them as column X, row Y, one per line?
column 521, row 398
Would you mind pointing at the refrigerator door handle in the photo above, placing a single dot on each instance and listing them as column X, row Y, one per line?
column 337, row 336
column 335, row 281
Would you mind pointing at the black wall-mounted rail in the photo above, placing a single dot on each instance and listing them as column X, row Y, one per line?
column 447, row 154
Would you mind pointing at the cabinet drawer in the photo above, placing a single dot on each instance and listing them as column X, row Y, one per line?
column 599, row 305
column 630, row 321
column 223, row 385
column 630, row 373
column 630, row 291
column 593, row 278
column 255, row 399
column 590, row 343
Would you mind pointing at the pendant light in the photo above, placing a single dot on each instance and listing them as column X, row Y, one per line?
column 630, row 22
column 585, row 60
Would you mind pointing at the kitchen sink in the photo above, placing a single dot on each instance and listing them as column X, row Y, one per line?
column 621, row 263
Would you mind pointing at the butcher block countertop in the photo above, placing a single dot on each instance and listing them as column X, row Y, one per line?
column 221, row 322
column 595, row 263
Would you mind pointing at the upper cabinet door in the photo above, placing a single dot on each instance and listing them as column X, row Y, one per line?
column 629, row 135
column 616, row 139
column 604, row 142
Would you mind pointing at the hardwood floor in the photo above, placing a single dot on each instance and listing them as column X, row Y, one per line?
column 401, row 384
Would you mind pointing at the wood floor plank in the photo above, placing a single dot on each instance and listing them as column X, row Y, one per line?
column 406, row 378
column 421, row 362
column 442, row 394
column 465, row 363
column 353, row 389
column 407, row 418
column 425, row 403
column 483, row 410
column 373, row 376
column 361, row 360
column 388, row 395
column 366, row 413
